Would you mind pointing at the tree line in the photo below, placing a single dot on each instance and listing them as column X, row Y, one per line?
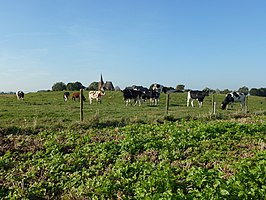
column 60, row 86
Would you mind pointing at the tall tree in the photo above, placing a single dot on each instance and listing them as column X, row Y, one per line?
column 93, row 86
column 244, row 90
column 59, row 86
column 75, row 86
column 258, row 92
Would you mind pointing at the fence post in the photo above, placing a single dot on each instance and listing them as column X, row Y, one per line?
column 246, row 105
column 167, row 104
column 81, row 104
column 213, row 105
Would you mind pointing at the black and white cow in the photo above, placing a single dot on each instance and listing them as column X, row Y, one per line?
column 66, row 96
column 20, row 95
column 156, row 90
column 133, row 94
column 198, row 95
column 233, row 97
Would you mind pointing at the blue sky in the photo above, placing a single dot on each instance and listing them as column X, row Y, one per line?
column 198, row 43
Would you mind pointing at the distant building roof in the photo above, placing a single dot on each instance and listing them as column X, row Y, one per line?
column 109, row 85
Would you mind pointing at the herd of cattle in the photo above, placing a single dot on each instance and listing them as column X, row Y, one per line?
column 138, row 94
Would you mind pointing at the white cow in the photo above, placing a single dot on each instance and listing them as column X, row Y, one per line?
column 96, row 95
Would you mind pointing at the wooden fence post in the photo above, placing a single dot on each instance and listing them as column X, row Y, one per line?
column 214, row 108
column 246, row 105
column 167, row 104
column 213, row 105
column 81, row 104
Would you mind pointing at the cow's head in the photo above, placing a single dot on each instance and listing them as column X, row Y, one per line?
column 228, row 98
column 206, row 92
column 102, row 90
column 156, row 87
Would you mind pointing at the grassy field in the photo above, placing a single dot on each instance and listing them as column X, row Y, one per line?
column 134, row 152
column 48, row 109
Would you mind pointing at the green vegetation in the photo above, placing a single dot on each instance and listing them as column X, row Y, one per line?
column 120, row 152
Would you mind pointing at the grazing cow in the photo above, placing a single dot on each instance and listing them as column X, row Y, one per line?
column 66, row 96
column 232, row 97
column 133, row 94
column 97, row 95
column 20, row 95
column 76, row 95
column 198, row 95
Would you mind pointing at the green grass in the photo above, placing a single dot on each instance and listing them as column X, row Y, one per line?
column 48, row 109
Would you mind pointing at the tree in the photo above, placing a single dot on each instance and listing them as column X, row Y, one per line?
column 244, row 90
column 93, row 86
column 59, row 86
column 209, row 90
column 258, row 92
column 217, row 91
column 75, row 86
column 225, row 91
column 254, row 92
column 262, row 92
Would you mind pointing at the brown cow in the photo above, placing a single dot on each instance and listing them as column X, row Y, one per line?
column 76, row 95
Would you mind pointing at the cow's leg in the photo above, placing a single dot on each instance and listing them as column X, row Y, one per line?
column 128, row 101
column 192, row 104
column 200, row 103
column 227, row 106
column 242, row 104
column 140, row 101
column 188, row 101
column 136, row 102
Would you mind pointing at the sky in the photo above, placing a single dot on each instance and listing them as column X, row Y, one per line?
column 219, row 44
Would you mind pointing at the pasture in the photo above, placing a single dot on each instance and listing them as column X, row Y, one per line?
column 134, row 152
column 47, row 109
